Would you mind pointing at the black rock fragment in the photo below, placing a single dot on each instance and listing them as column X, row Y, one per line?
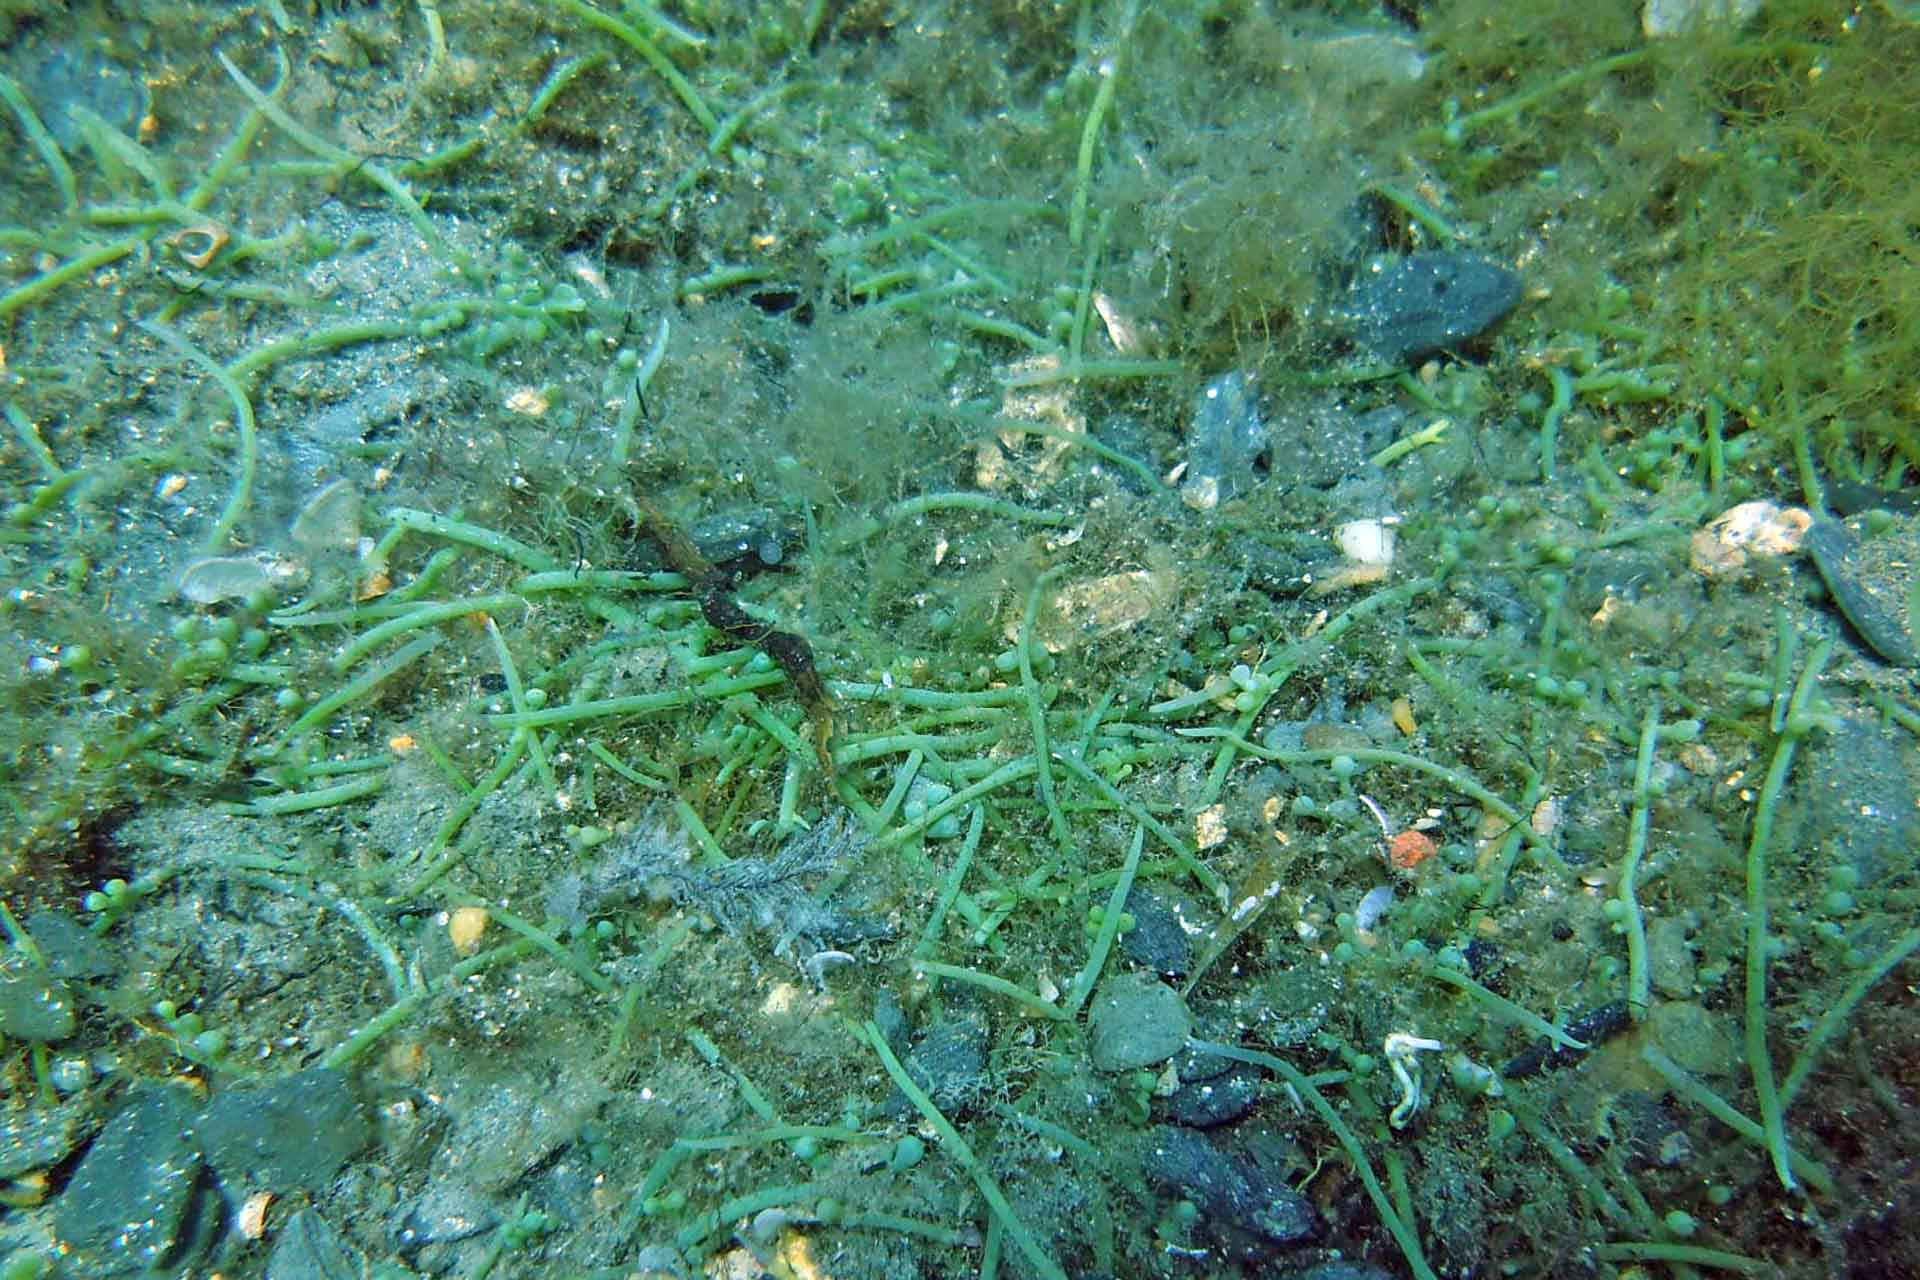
column 1429, row 302
column 1158, row 941
column 1875, row 622
column 1208, row 1104
column 1249, row 1210
column 1604, row 1023
column 131, row 1205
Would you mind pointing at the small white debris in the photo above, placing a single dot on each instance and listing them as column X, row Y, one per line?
column 220, row 578
column 1367, row 542
column 1727, row 542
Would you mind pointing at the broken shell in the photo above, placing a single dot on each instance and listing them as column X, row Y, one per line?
column 197, row 244
column 330, row 518
column 1724, row 545
column 251, row 1221
column 220, row 578
column 1368, row 542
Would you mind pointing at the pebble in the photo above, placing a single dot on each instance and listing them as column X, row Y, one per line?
column 1158, row 940
column 1427, row 302
column 1136, row 1021
column 1873, row 620
column 1226, row 439
column 128, row 1208
column 1232, row 1192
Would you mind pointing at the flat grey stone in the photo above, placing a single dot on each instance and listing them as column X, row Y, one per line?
column 1136, row 1021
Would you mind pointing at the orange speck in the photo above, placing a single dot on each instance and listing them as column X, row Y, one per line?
column 1409, row 849
column 402, row 743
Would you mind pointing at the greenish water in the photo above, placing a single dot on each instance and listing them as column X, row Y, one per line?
column 633, row 641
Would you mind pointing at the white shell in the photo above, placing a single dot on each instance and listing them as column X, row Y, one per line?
column 1368, row 542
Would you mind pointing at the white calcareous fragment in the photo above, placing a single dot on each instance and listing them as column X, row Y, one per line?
column 218, row 578
column 1727, row 542
column 1368, row 542
column 330, row 519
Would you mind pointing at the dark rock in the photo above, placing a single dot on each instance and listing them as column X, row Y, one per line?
column 307, row 1248
column 293, row 1133
column 1650, row 1130
column 1226, row 439
column 950, row 1063
column 34, row 1005
column 1429, row 302
column 1208, row 1104
column 1875, row 621
column 1237, row 1199
column 130, row 1207
column 1158, row 940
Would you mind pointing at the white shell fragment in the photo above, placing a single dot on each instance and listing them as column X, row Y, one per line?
column 220, row 578
column 1368, row 542
column 330, row 518
column 1724, row 545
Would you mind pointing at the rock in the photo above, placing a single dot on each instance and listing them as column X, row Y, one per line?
column 950, row 1063
column 130, row 1206
column 1158, row 940
column 1854, row 585
column 1227, row 437
column 73, row 951
column 1320, row 441
column 1860, row 781
column 34, row 1005
column 1232, row 1192
column 1670, row 960
column 1652, row 1133
column 1136, row 1021
column 1663, row 18
column 1208, row 1104
column 41, row 1137
column 293, row 1133
column 309, row 1249
column 1340, row 1270
column 1697, row 1040
column 1427, row 302
column 445, row 1212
